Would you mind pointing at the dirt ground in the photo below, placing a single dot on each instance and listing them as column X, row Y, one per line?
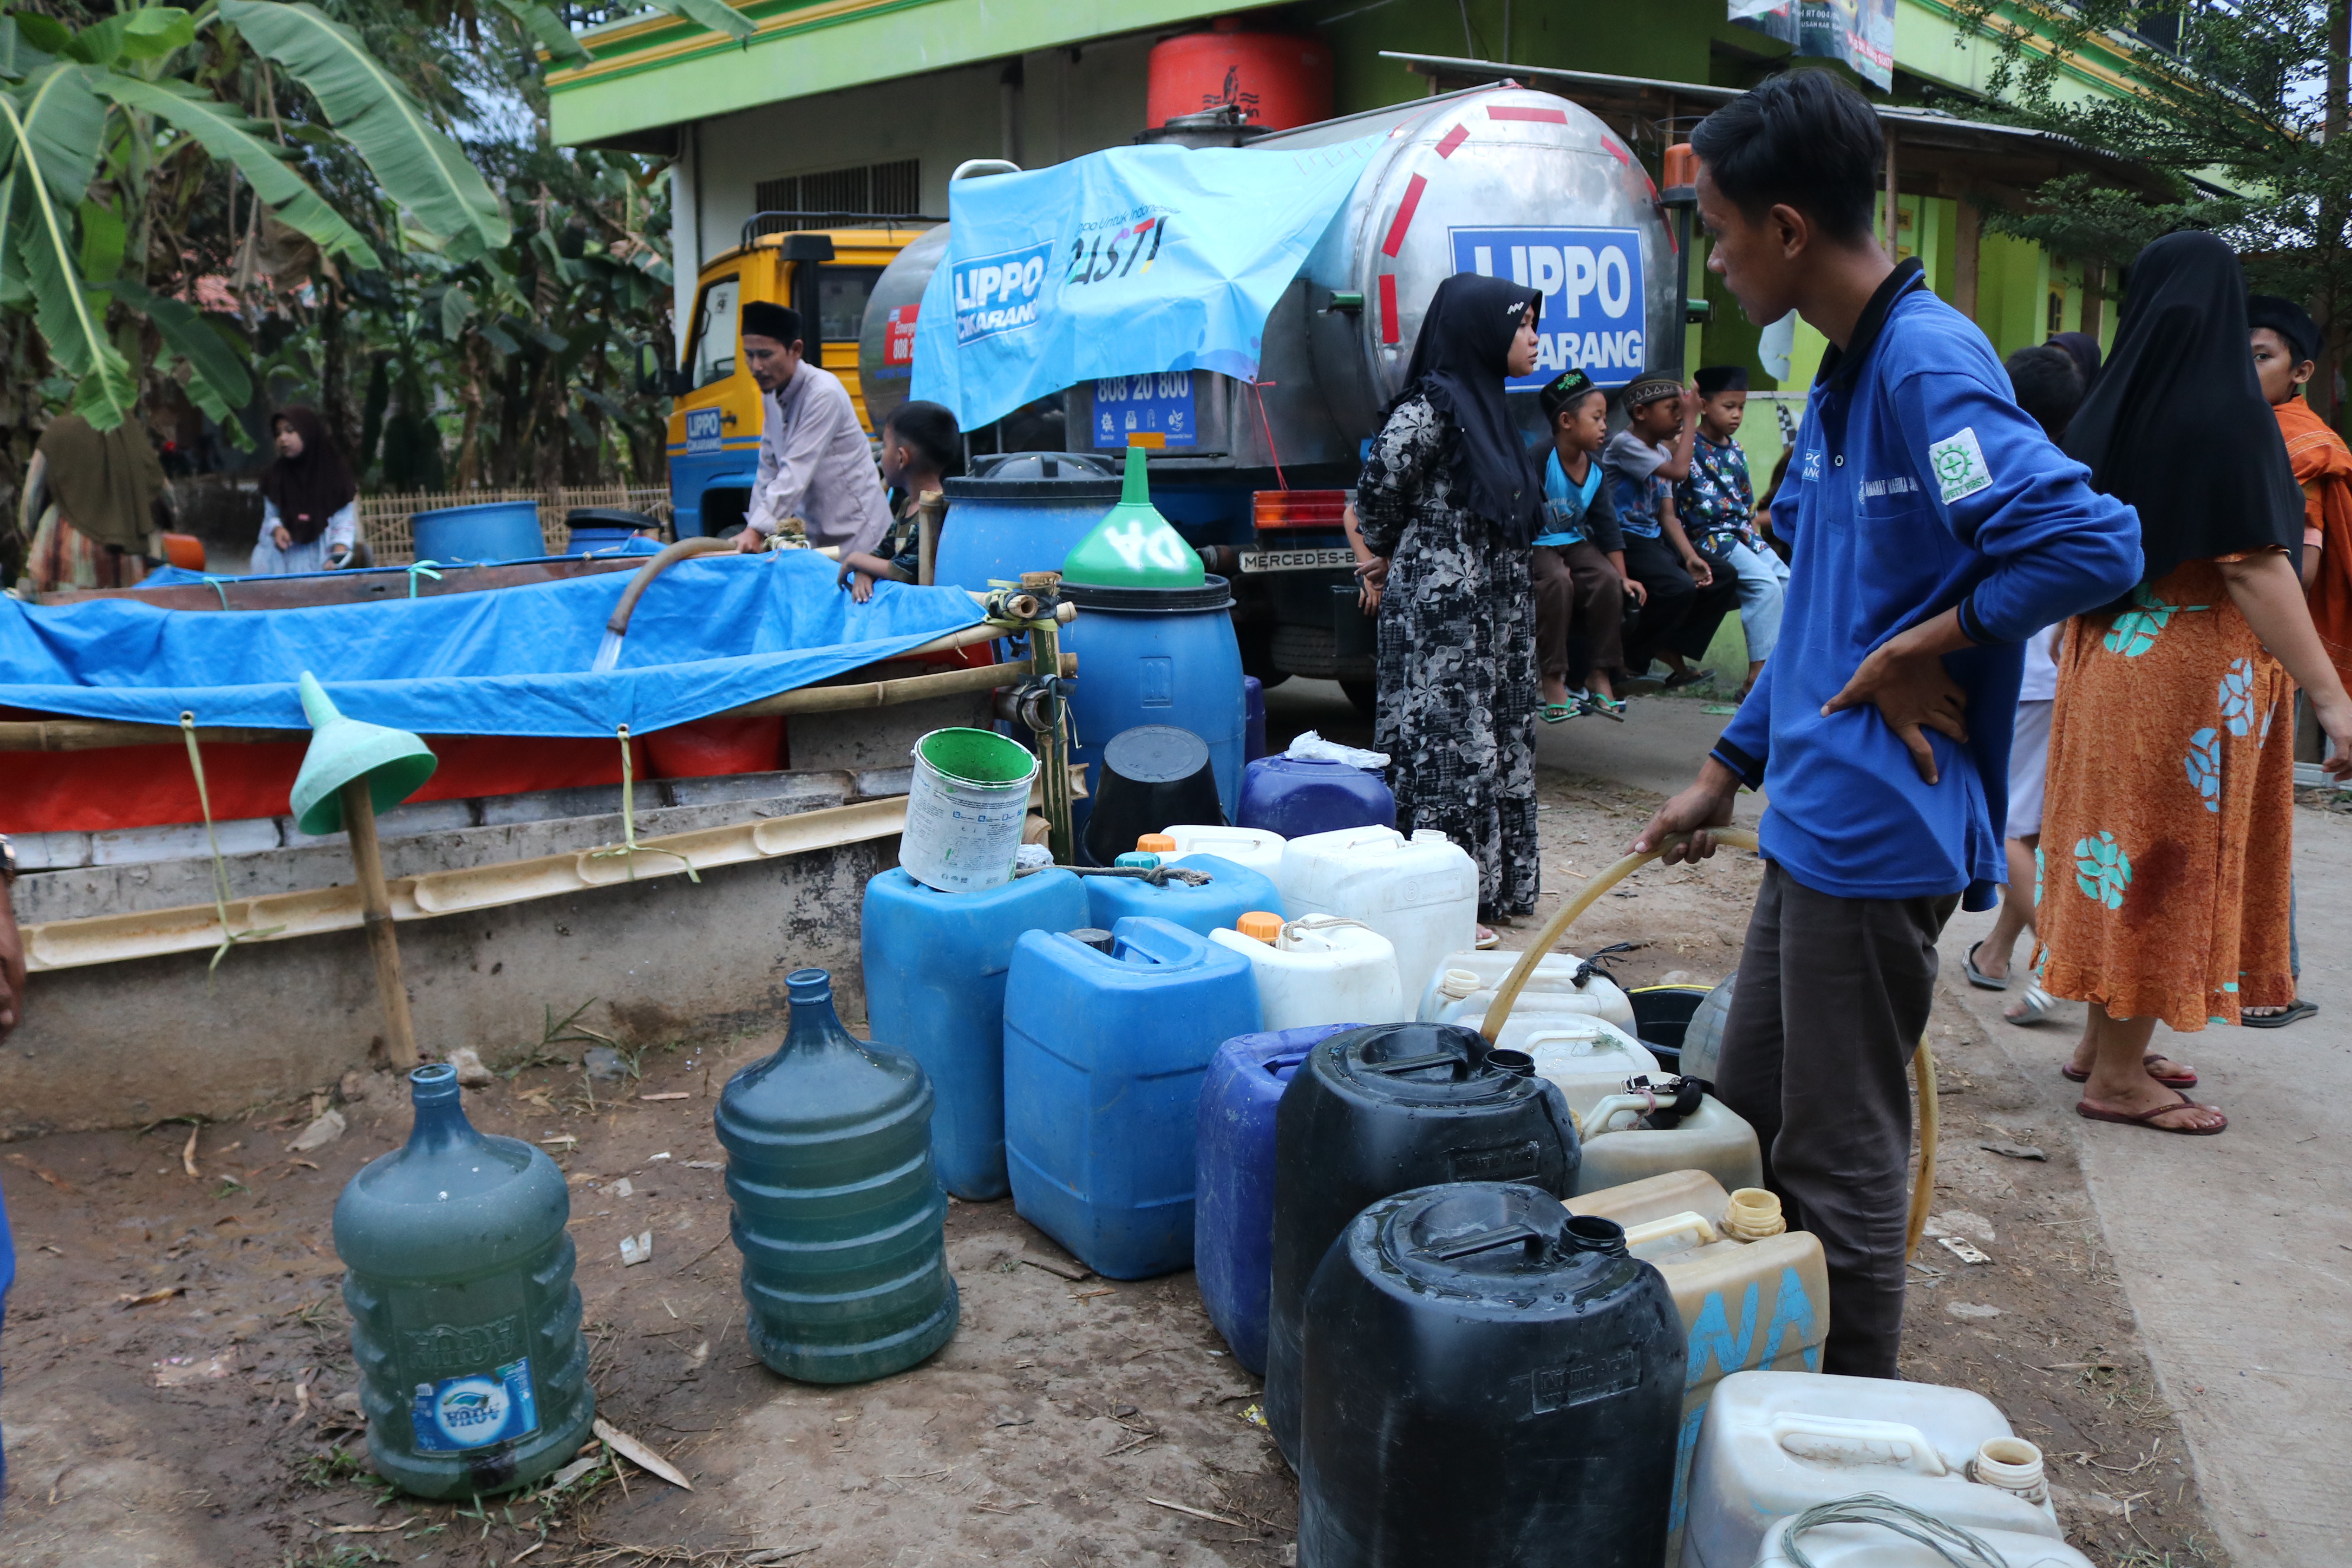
column 179, row 1382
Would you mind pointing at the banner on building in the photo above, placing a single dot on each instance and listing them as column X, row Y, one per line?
column 1861, row 33
column 1128, row 262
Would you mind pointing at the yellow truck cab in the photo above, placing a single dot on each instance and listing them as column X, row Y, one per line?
column 825, row 274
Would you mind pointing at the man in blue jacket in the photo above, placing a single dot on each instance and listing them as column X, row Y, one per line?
column 1934, row 528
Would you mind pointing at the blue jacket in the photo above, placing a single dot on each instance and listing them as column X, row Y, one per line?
column 1918, row 484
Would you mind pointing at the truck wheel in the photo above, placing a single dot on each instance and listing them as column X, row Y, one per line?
column 1257, row 655
column 1364, row 694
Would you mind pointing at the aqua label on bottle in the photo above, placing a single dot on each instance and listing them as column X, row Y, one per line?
column 476, row 1410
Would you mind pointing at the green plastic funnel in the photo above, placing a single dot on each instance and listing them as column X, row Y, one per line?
column 1132, row 546
column 394, row 762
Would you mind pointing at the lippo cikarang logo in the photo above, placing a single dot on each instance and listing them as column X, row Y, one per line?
column 1590, row 279
column 1001, row 293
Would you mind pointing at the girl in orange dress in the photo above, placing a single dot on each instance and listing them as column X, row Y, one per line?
column 2170, row 810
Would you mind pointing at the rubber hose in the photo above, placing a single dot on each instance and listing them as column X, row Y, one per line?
column 1923, row 1060
column 701, row 544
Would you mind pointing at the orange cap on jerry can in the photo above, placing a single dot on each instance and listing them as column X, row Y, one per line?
column 1681, row 165
column 1265, row 927
column 1155, row 844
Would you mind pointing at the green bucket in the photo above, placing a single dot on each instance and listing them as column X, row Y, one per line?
column 965, row 810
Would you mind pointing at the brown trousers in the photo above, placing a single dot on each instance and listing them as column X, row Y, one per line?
column 1830, row 1001
column 1577, row 588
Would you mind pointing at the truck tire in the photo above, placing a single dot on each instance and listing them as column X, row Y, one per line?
column 1365, row 695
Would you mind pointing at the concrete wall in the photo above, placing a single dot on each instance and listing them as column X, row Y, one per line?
column 120, row 1043
column 662, row 960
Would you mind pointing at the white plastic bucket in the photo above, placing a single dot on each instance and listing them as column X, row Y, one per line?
column 965, row 809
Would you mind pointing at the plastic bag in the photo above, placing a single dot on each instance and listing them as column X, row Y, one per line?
column 1313, row 748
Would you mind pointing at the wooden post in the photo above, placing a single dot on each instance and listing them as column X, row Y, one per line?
column 928, row 514
column 1893, row 217
column 375, row 903
column 1045, row 659
column 1966, row 235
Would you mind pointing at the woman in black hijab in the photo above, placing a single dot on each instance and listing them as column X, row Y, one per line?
column 2168, row 819
column 310, row 512
column 1447, row 505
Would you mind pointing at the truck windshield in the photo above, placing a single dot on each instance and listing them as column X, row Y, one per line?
column 712, row 358
column 841, row 293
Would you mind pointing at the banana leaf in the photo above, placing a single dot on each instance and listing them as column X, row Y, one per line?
column 218, row 383
column 228, row 135
column 52, row 125
column 420, row 168
column 548, row 28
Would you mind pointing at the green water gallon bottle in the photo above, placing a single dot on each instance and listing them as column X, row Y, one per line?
column 839, row 1212
column 465, row 1321
column 1133, row 546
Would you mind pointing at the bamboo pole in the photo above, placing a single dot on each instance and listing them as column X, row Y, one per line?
column 383, row 942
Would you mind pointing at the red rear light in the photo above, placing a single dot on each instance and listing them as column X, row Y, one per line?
column 1299, row 509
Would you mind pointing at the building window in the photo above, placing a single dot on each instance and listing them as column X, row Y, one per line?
column 876, row 190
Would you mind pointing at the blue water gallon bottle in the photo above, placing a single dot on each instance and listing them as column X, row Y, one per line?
column 465, row 1321
column 839, row 1213
column 1104, row 1051
column 935, row 966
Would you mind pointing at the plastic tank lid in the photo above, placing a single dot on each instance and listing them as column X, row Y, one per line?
column 1037, row 476
column 1155, row 844
column 1264, row 925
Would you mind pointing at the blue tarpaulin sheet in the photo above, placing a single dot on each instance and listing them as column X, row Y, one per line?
column 710, row 634
column 1130, row 260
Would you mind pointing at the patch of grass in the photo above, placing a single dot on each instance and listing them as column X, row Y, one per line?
column 554, row 1032
column 334, row 1469
column 339, row 1555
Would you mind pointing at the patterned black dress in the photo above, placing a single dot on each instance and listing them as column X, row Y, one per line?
column 1457, row 660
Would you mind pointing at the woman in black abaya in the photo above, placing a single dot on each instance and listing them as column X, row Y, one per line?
column 1447, row 505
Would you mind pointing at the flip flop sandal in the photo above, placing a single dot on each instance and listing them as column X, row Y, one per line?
column 1978, row 977
column 1559, row 712
column 1689, row 679
column 1486, row 939
column 2185, row 1078
column 2089, row 1112
column 1605, row 707
column 2295, row 1014
column 2035, row 1008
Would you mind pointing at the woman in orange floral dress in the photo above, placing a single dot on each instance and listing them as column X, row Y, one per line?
column 2170, row 811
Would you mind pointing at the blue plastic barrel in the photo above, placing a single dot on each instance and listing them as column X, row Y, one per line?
column 1157, row 656
column 1232, row 892
column 1020, row 513
column 1299, row 796
column 935, row 967
column 497, row 530
column 1103, row 1059
column 1233, row 1216
column 1253, row 718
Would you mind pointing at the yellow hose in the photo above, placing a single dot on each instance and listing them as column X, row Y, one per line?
column 1923, row 1061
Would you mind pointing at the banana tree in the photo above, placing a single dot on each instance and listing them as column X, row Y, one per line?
column 87, row 115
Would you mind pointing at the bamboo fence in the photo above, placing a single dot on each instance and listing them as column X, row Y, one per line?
column 383, row 519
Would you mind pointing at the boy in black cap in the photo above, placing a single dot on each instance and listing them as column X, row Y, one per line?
column 1579, row 565
column 1687, row 595
column 1716, row 505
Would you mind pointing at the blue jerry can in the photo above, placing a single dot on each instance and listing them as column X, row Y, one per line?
column 1232, row 892
column 1233, row 1214
column 1103, row 1052
column 935, row 966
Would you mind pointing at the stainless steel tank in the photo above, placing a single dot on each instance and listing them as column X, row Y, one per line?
column 1499, row 179
column 886, row 340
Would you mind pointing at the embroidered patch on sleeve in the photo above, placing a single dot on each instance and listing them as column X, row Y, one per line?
column 1959, row 465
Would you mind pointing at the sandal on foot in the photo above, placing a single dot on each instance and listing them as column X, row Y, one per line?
column 2294, row 1012
column 1689, row 679
column 2089, row 1112
column 2034, row 1007
column 2186, row 1078
column 1486, row 939
column 1978, row 977
column 1606, row 707
column 1559, row 712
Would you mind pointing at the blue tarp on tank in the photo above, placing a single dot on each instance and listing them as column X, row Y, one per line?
column 710, row 634
column 1129, row 260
